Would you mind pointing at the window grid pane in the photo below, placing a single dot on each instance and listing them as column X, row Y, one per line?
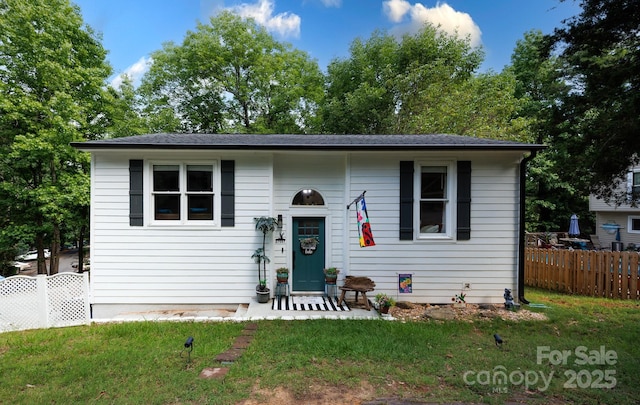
column 199, row 178
column 433, row 183
column 166, row 178
column 200, row 206
column 167, row 207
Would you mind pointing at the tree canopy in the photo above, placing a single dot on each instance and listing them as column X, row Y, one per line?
column 600, row 54
column 52, row 72
column 231, row 75
column 421, row 83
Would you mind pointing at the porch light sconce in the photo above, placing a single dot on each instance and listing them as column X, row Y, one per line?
column 279, row 221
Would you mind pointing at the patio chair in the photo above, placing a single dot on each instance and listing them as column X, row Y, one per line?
column 595, row 241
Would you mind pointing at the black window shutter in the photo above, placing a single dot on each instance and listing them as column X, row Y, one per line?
column 464, row 200
column 136, row 202
column 227, row 192
column 406, row 200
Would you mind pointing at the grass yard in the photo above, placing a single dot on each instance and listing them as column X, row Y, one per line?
column 322, row 361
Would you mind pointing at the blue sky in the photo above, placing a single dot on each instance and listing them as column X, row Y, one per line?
column 132, row 29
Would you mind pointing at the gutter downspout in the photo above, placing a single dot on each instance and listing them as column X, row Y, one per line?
column 521, row 239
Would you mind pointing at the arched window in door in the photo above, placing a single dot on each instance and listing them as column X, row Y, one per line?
column 308, row 197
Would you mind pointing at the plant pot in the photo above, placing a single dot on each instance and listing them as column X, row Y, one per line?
column 282, row 278
column 330, row 278
column 263, row 296
column 384, row 310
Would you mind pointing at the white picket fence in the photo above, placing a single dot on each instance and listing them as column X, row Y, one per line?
column 44, row 301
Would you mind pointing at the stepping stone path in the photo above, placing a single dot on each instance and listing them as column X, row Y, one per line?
column 232, row 354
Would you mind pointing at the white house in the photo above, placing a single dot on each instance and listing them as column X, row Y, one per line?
column 172, row 215
column 619, row 222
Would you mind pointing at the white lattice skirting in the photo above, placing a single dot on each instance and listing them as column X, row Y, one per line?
column 44, row 301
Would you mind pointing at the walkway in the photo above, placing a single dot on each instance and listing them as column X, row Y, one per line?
column 244, row 312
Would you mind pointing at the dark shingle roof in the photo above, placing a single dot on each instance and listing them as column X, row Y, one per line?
column 304, row 142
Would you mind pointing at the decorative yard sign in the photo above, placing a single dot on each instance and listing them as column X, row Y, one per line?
column 404, row 283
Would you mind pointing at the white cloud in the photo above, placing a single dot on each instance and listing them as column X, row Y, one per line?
column 442, row 15
column 285, row 24
column 332, row 3
column 134, row 72
column 396, row 9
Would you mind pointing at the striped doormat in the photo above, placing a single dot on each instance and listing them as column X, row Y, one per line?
column 306, row 303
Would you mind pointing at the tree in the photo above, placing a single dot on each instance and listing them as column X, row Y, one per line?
column 600, row 55
column 231, row 75
column 360, row 89
column 52, row 71
column 551, row 195
column 121, row 113
column 421, row 83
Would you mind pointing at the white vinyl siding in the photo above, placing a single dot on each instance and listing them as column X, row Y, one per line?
column 173, row 265
column 323, row 172
column 165, row 265
column 440, row 266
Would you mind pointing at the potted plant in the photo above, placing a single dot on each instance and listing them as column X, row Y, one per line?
column 262, row 292
column 282, row 274
column 384, row 302
column 265, row 225
column 331, row 275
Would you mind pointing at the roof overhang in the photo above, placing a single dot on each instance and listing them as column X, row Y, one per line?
column 304, row 143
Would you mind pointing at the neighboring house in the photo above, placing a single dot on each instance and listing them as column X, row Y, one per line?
column 172, row 215
column 626, row 217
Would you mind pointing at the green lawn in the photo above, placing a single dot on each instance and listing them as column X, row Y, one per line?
column 310, row 360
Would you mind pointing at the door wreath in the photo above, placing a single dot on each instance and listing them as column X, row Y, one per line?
column 309, row 245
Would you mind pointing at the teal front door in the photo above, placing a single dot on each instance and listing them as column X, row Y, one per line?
column 308, row 262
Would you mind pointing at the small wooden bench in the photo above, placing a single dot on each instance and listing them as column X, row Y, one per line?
column 361, row 285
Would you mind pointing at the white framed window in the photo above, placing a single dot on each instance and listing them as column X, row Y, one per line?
column 184, row 193
column 635, row 185
column 435, row 185
column 633, row 224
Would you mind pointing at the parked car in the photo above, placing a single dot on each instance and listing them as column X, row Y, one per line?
column 21, row 266
column 32, row 255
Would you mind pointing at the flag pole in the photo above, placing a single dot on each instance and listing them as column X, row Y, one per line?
column 360, row 197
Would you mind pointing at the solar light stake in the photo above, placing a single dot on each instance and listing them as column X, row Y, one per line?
column 189, row 343
column 188, row 347
column 498, row 340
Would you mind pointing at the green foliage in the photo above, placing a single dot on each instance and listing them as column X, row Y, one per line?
column 122, row 115
column 231, row 76
column 266, row 225
column 383, row 300
column 600, row 55
column 556, row 182
column 422, row 83
column 52, row 69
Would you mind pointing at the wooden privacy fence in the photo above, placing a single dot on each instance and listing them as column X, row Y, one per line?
column 584, row 272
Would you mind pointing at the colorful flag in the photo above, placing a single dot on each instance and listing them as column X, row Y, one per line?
column 364, row 227
column 404, row 283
